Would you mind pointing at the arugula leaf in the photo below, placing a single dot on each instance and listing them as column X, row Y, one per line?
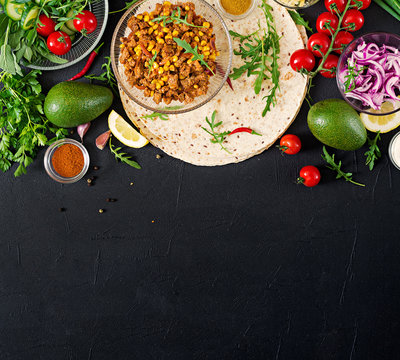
column 217, row 138
column 189, row 50
column 374, row 153
column 337, row 167
column 176, row 18
column 151, row 61
column 254, row 49
column 299, row 20
column 123, row 157
column 128, row 4
column 156, row 115
column 107, row 76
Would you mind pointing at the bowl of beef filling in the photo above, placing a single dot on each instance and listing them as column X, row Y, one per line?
column 171, row 57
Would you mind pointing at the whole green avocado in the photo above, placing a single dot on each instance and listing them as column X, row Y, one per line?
column 70, row 104
column 336, row 124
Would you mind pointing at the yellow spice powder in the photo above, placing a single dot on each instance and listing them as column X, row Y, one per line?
column 236, row 7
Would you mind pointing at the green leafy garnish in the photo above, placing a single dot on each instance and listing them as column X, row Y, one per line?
column 351, row 76
column 107, row 76
column 299, row 20
column 374, row 153
column 218, row 138
column 189, row 50
column 151, row 61
column 174, row 17
column 260, row 52
column 337, row 167
column 23, row 125
column 156, row 115
column 128, row 4
column 123, row 157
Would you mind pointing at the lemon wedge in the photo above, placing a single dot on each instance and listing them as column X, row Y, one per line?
column 384, row 123
column 124, row 132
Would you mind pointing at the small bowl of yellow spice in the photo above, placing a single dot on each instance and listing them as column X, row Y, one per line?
column 236, row 9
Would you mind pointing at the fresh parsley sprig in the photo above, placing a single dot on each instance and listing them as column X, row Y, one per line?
column 107, row 76
column 374, row 153
column 217, row 138
column 123, row 157
column 174, row 17
column 330, row 160
column 23, row 126
column 189, row 50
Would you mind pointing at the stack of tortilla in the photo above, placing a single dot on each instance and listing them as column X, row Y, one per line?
column 182, row 135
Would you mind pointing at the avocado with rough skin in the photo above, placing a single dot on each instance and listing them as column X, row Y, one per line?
column 336, row 124
column 70, row 104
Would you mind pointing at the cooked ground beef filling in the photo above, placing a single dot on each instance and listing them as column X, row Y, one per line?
column 155, row 63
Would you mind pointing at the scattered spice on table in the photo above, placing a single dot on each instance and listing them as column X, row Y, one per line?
column 158, row 156
column 68, row 160
column 236, row 7
column 96, row 168
column 101, row 211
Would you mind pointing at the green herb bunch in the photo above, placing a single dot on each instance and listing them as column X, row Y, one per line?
column 260, row 52
column 24, row 128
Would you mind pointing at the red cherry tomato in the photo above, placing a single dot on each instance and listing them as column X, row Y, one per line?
column 302, row 59
column 331, row 65
column 309, row 176
column 327, row 23
column 45, row 26
column 85, row 22
column 332, row 5
column 353, row 20
column 59, row 43
column 365, row 4
column 318, row 43
column 343, row 38
column 290, row 144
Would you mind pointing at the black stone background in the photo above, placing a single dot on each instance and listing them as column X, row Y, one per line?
column 240, row 263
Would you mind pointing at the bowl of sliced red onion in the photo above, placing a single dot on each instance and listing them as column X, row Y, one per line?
column 368, row 73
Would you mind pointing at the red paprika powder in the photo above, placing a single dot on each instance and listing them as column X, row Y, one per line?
column 68, row 160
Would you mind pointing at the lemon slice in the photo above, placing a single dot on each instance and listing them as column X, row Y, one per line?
column 125, row 132
column 384, row 123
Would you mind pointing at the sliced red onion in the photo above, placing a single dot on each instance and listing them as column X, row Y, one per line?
column 378, row 78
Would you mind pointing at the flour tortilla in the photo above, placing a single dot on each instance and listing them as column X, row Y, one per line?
column 182, row 135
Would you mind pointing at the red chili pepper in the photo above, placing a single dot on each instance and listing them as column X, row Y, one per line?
column 244, row 130
column 229, row 81
column 89, row 63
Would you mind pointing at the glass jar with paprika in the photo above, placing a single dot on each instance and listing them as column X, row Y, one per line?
column 66, row 161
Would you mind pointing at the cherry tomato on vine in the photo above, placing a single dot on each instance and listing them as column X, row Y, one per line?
column 290, row 144
column 365, row 4
column 302, row 59
column 331, row 5
column 343, row 38
column 309, row 176
column 353, row 20
column 85, row 22
column 330, row 65
column 327, row 23
column 318, row 43
column 45, row 26
column 59, row 43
